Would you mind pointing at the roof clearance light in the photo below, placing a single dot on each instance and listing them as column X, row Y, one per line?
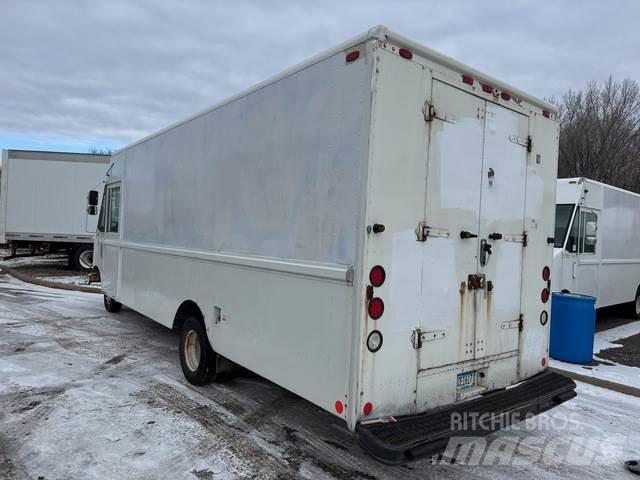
column 376, row 308
column 377, row 276
column 404, row 53
column 506, row 96
column 468, row 79
column 352, row 56
column 374, row 341
column 546, row 113
column 487, row 88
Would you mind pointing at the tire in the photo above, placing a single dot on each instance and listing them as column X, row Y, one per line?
column 111, row 306
column 635, row 310
column 82, row 257
column 197, row 359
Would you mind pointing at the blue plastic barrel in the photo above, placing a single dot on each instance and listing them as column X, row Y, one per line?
column 573, row 326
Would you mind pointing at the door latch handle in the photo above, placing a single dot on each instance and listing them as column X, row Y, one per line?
column 464, row 235
column 495, row 236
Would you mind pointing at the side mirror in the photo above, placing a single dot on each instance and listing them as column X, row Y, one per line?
column 92, row 202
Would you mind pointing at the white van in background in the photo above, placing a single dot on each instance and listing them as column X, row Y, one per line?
column 597, row 240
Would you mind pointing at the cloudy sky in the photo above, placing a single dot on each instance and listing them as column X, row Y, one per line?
column 76, row 74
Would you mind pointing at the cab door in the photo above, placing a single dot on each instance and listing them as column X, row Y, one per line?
column 108, row 239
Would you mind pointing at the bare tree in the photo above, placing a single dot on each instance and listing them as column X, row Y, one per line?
column 600, row 133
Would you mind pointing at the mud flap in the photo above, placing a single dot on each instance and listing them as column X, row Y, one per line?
column 416, row 436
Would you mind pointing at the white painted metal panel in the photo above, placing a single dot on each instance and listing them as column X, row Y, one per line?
column 49, row 197
column 397, row 182
column 277, row 173
column 502, row 212
column 453, row 205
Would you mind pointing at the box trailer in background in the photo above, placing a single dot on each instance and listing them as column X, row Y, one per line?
column 368, row 230
column 43, row 200
column 597, row 242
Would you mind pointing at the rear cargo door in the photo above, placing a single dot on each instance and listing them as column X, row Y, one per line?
column 474, row 216
column 501, row 231
column 447, row 328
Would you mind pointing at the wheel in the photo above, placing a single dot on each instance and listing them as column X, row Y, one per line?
column 197, row 359
column 636, row 304
column 82, row 257
column 111, row 306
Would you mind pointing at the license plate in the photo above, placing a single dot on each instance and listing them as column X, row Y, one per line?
column 466, row 379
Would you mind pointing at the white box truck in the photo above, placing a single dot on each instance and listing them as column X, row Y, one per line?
column 597, row 242
column 369, row 229
column 43, row 202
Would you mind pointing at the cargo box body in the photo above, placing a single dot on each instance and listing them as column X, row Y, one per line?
column 43, row 196
column 269, row 211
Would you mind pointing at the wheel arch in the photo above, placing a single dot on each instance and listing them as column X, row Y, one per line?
column 187, row 309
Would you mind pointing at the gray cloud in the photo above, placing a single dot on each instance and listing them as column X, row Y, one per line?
column 114, row 71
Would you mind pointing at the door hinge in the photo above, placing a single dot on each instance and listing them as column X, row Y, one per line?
column 422, row 232
column 520, row 322
column 525, row 239
column 416, row 338
column 429, row 112
column 529, row 144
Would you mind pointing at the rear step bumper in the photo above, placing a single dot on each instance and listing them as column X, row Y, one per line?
column 415, row 436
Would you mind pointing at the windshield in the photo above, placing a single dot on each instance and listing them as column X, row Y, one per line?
column 563, row 217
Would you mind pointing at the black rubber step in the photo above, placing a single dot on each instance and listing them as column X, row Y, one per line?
column 415, row 436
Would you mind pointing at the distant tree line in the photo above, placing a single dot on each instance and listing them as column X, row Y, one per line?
column 101, row 151
column 600, row 133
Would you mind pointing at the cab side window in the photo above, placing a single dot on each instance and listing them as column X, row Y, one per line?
column 103, row 205
column 113, row 209
column 588, row 232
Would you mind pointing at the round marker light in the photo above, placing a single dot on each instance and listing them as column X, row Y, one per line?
column 544, row 318
column 544, row 296
column 377, row 276
column 367, row 408
column 374, row 341
column 376, row 308
column 339, row 407
column 543, row 362
column 546, row 273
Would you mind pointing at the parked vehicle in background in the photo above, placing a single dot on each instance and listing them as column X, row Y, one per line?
column 43, row 202
column 368, row 230
column 597, row 242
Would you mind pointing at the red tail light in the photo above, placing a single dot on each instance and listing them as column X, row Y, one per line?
column 404, row 53
column 544, row 296
column 376, row 308
column 546, row 273
column 377, row 276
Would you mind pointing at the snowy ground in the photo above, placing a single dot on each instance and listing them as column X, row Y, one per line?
column 89, row 395
column 51, row 267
